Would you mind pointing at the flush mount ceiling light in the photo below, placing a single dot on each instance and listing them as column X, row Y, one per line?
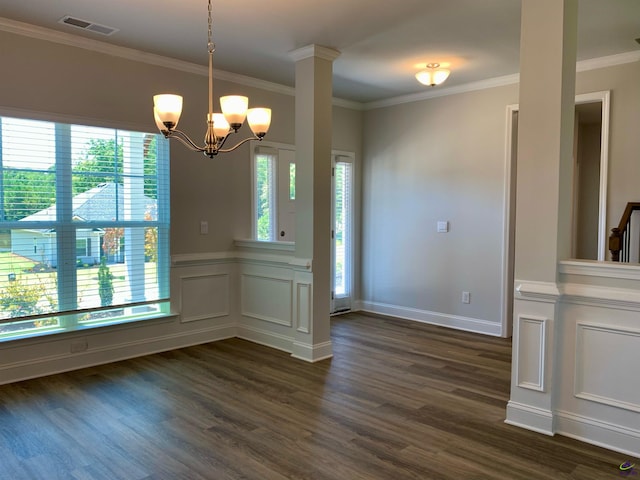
column 433, row 75
column 168, row 107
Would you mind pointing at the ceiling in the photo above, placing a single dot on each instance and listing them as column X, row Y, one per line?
column 382, row 44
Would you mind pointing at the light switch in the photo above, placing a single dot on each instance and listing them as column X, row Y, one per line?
column 443, row 226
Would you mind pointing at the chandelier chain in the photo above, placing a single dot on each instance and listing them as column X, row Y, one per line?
column 210, row 45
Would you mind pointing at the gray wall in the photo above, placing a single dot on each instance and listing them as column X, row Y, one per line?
column 444, row 159
column 59, row 81
column 439, row 159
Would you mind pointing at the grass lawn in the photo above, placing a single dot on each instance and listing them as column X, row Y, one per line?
column 87, row 279
column 12, row 263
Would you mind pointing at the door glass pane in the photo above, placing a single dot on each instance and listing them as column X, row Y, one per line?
column 265, row 195
column 342, row 230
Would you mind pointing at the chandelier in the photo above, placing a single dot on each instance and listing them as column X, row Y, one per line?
column 168, row 107
column 433, row 75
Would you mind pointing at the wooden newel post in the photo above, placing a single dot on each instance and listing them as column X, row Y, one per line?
column 615, row 240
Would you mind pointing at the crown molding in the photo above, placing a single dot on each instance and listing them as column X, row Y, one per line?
column 609, row 61
column 47, row 34
column 442, row 92
column 325, row 53
column 581, row 66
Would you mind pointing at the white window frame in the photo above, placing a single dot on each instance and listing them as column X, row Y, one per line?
column 69, row 316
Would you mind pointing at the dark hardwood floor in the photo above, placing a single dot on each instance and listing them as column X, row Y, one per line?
column 399, row 400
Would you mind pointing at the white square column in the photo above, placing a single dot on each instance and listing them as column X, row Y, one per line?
column 313, row 124
column 543, row 203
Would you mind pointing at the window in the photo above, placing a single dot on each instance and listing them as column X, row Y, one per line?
column 265, row 189
column 84, row 222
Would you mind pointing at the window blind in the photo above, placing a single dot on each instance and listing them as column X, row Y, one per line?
column 84, row 225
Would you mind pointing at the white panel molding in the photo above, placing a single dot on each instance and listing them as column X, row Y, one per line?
column 53, row 363
column 256, row 258
column 597, row 432
column 545, row 292
column 264, row 245
column 303, row 307
column 209, row 304
column 592, row 268
column 453, row 321
column 612, row 385
column 278, row 288
column 198, row 259
column 532, row 418
column 532, row 335
column 594, row 295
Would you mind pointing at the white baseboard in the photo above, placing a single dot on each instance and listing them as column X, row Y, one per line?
column 54, row 363
column 299, row 350
column 596, row 432
column 266, row 338
column 312, row 353
column 452, row 321
column 531, row 418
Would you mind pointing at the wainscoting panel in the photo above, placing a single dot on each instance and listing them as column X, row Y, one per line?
column 204, row 296
column 606, row 358
column 267, row 298
column 532, row 351
column 303, row 307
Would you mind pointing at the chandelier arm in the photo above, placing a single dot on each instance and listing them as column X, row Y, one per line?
column 255, row 137
column 185, row 140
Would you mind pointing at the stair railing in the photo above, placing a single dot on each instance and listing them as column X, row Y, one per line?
column 619, row 240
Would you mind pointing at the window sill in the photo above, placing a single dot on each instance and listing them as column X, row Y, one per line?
column 134, row 321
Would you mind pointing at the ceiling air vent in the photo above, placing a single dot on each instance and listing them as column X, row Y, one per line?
column 86, row 25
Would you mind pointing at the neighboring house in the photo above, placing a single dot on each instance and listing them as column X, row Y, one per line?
column 95, row 205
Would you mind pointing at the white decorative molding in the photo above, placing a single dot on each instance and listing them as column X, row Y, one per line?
column 581, row 66
column 546, row 292
column 453, row 321
column 608, row 61
column 532, row 335
column 592, row 268
column 189, row 259
column 531, row 418
column 41, row 33
column 266, row 298
column 595, row 295
column 101, row 350
column 443, row 92
column 204, row 296
column 303, row 307
column 63, row 38
column 264, row 245
column 605, row 357
column 318, row 51
column 258, row 258
column 312, row 353
column 264, row 337
column 597, row 432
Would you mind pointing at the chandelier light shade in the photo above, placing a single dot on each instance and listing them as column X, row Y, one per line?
column 433, row 75
column 167, row 109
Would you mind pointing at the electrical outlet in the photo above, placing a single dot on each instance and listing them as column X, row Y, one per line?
column 78, row 346
column 466, row 297
column 204, row 227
